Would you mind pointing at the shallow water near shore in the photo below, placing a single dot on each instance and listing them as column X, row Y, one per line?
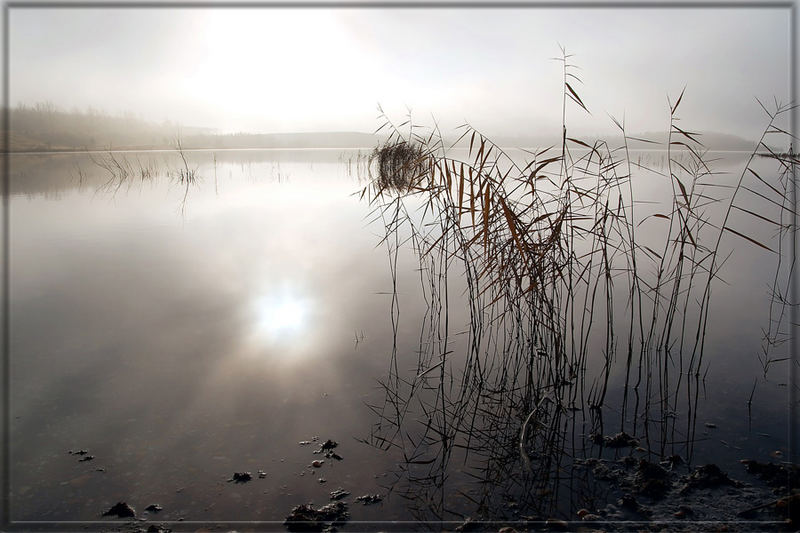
column 180, row 334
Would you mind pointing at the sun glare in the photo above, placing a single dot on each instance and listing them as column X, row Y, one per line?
column 270, row 63
column 281, row 316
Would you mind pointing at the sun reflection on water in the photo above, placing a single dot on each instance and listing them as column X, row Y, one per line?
column 282, row 315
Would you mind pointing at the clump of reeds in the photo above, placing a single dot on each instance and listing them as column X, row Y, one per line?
column 399, row 164
column 563, row 290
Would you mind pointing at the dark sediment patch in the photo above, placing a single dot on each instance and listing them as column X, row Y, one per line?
column 651, row 479
column 780, row 476
column 305, row 518
column 241, row 477
column 679, row 498
column 707, row 476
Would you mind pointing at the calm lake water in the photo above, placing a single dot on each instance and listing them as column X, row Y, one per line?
column 180, row 336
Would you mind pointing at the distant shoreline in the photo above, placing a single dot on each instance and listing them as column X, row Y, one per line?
column 45, row 129
column 130, row 150
column 73, row 151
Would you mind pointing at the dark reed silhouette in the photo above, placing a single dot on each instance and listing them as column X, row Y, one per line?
column 564, row 294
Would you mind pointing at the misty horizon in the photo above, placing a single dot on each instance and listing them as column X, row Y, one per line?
column 45, row 127
column 274, row 70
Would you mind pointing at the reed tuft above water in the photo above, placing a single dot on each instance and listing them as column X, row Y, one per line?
column 399, row 164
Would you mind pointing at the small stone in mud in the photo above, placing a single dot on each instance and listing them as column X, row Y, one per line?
column 79, row 452
column 556, row 523
column 709, row 425
column 86, row 458
column 582, row 512
column 153, row 508
column 241, row 477
column 338, row 494
column 369, row 499
column 317, row 463
column 329, row 445
column 322, row 480
column 121, row 510
column 304, row 442
column 262, row 474
column 101, row 469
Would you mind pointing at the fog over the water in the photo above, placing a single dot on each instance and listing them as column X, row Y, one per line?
column 313, row 69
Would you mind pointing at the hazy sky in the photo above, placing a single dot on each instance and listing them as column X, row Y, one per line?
column 271, row 69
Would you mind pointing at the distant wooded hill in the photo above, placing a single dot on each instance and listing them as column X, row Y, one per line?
column 43, row 127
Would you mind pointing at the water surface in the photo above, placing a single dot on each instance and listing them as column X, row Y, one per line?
column 181, row 334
